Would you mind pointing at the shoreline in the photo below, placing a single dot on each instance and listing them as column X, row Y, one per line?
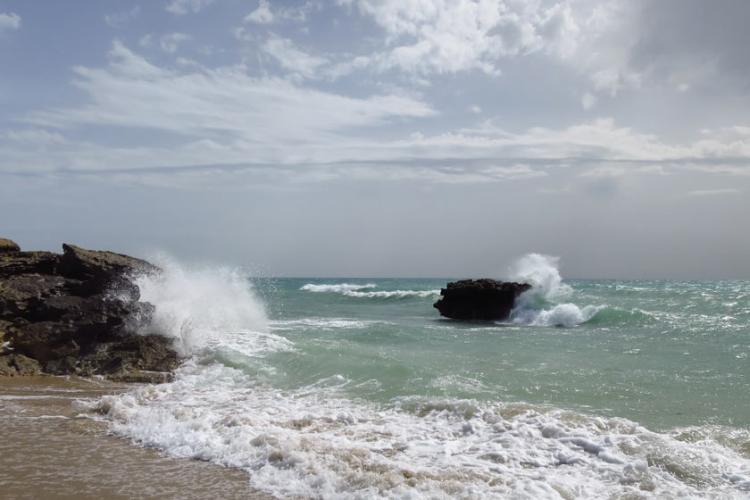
column 50, row 450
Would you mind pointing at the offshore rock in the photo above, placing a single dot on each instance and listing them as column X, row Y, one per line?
column 483, row 299
column 78, row 313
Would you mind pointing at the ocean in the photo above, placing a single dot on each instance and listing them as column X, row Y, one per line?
column 357, row 388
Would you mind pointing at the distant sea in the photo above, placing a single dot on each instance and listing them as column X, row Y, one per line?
column 357, row 388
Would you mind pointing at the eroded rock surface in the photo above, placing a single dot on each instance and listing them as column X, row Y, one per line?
column 483, row 299
column 77, row 313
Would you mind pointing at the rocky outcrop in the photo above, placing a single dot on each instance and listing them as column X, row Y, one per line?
column 77, row 313
column 482, row 299
column 18, row 364
column 8, row 246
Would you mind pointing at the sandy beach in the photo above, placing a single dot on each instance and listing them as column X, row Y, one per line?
column 49, row 449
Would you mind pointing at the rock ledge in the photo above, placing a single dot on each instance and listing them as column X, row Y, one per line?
column 77, row 313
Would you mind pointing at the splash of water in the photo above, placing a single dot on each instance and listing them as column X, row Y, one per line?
column 541, row 305
column 197, row 306
column 541, row 271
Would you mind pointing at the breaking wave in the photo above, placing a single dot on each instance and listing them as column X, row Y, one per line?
column 322, row 323
column 336, row 287
column 201, row 307
column 355, row 290
column 390, row 294
column 543, row 305
column 313, row 442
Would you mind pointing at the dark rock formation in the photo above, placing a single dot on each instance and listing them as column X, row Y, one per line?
column 77, row 313
column 8, row 246
column 483, row 299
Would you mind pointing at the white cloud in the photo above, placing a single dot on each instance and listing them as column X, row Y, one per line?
column 682, row 44
column 224, row 116
column 182, row 7
column 265, row 13
column 224, row 113
column 713, row 192
column 599, row 139
column 34, row 136
column 455, row 174
column 614, row 171
column 588, row 101
column 290, row 57
column 171, row 42
column 475, row 109
column 261, row 15
column 448, row 36
column 9, row 21
column 118, row 19
column 616, row 45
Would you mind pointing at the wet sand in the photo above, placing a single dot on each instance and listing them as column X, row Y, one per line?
column 49, row 450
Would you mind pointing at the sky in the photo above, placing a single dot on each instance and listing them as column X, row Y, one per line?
column 382, row 137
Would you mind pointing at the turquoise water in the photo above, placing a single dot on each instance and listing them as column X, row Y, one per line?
column 357, row 388
column 663, row 353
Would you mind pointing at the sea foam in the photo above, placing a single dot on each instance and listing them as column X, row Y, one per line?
column 543, row 305
column 336, row 287
column 313, row 442
column 365, row 291
column 390, row 294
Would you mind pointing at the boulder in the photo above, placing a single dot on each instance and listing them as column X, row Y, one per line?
column 482, row 299
column 78, row 313
column 7, row 246
column 18, row 364
column 100, row 270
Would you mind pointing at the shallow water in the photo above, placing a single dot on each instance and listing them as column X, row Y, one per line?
column 356, row 388
column 50, row 450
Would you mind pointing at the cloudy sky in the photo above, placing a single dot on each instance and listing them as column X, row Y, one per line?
column 382, row 137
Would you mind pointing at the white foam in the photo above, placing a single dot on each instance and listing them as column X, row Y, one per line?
column 538, row 306
column 336, row 287
column 542, row 272
column 356, row 290
column 390, row 294
column 566, row 315
column 199, row 306
column 315, row 443
column 322, row 323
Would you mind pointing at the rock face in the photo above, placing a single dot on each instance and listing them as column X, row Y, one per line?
column 8, row 246
column 483, row 299
column 77, row 313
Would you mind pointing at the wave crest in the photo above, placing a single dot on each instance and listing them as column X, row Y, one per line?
column 200, row 306
column 539, row 306
column 390, row 294
column 335, row 287
column 358, row 291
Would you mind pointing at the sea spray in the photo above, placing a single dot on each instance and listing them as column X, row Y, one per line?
column 540, row 306
column 542, row 272
column 197, row 305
